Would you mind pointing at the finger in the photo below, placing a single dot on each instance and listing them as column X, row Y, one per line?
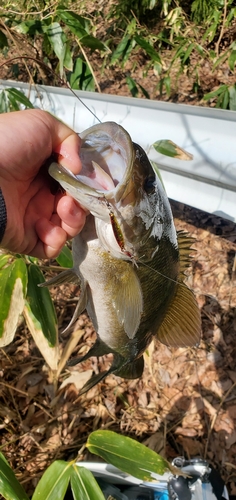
column 71, row 214
column 52, row 236
column 68, row 152
column 66, row 143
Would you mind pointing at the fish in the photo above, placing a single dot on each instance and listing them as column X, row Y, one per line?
column 129, row 260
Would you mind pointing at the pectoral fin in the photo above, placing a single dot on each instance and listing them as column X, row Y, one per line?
column 128, row 301
column 68, row 276
column 181, row 326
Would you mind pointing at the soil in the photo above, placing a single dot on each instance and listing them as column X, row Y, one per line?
column 185, row 402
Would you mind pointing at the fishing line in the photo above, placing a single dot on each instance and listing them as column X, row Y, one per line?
column 82, row 102
column 161, row 274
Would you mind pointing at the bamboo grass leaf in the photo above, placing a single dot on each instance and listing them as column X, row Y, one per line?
column 169, row 148
column 127, row 454
column 65, row 259
column 41, row 318
column 84, row 486
column 10, row 488
column 54, row 482
column 17, row 96
column 13, row 283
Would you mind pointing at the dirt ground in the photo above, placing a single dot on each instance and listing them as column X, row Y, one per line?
column 185, row 402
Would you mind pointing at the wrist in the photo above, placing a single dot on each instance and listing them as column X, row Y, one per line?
column 3, row 216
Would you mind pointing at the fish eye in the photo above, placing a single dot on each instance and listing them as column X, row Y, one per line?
column 149, row 184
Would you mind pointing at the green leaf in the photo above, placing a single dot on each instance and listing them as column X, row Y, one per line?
column 223, row 100
column 93, row 43
column 220, row 60
column 126, row 454
column 132, row 86
column 58, row 41
column 4, row 258
column 40, row 306
column 77, row 24
column 215, row 93
column 150, row 51
column 82, row 78
column 3, row 40
column 144, row 91
column 30, row 27
column 232, row 98
column 165, row 82
column 123, row 49
column 10, row 488
column 84, row 486
column 13, row 282
column 157, row 67
column 68, row 60
column 232, row 60
column 188, row 52
column 4, row 104
column 65, row 258
column 169, row 148
column 20, row 97
column 180, row 51
column 13, row 104
column 54, row 482
column 81, row 28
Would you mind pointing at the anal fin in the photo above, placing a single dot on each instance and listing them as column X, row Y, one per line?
column 95, row 379
column 181, row 326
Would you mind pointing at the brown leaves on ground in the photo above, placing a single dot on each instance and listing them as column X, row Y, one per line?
column 185, row 403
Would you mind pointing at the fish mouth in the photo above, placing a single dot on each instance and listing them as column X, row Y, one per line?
column 107, row 157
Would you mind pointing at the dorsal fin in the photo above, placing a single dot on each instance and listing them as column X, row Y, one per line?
column 185, row 242
column 181, row 326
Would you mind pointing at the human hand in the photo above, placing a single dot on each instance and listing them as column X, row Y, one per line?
column 39, row 221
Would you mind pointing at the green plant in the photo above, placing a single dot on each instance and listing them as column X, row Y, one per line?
column 225, row 97
column 63, row 34
column 122, row 452
column 13, row 100
column 20, row 276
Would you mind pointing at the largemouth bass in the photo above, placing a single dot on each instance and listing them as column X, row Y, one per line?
column 128, row 258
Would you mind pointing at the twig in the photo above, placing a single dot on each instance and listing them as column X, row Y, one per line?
column 14, row 388
column 217, row 45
